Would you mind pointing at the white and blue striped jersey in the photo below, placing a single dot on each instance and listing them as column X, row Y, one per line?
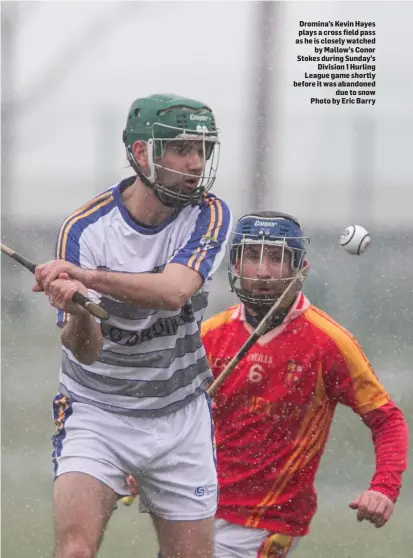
column 153, row 361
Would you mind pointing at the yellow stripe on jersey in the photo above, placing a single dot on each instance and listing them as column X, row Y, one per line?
column 191, row 262
column 214, row 233
column 84, row 207
column 369, row 393
column 311, row 418
column 75, row 218
column 217, row 321
column 93, row 205
column 308, row 449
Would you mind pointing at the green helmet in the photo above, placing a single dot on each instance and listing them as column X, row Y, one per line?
column 159, row 119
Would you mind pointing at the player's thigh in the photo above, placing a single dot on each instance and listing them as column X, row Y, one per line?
column 89, row 470
column 82, row 507
column 185, row 539
column 181, row 484
column 180, row 488
column 238, row 541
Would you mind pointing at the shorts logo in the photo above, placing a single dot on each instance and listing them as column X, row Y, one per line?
column 207, row 242
column 205, row 490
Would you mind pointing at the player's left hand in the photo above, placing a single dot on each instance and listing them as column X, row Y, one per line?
column 373, row 506
column 49, row 271
column 61, row 292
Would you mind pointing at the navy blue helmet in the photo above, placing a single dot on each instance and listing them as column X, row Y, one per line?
column 265, row 229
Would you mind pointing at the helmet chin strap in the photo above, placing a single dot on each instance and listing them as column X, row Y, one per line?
column 150, row 181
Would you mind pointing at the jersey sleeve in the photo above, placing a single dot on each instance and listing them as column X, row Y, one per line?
column 205, row 248
column 71, row 245
column 390, row 438
column 350, row 378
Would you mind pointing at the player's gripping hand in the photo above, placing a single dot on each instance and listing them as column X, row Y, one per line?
column 61, row 291
column 373, row 506
column 48, row 272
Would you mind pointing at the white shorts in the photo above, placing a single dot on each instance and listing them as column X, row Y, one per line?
column 237, row 541
column 171, row 457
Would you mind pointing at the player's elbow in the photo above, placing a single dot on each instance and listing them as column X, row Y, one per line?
column 176, row 299
column 179, row 284
column 87, row 354
column 85, row 358
column 87, row 350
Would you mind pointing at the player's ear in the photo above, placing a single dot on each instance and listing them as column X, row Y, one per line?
column 237, row 265
column 140, row 152
column 234, row 258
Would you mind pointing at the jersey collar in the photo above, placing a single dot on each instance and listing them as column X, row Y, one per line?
column 299, row 307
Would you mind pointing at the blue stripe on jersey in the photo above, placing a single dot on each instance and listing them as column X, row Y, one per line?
column 69, row 220
column 208, row 238
column 68, row 239
column 68, row 242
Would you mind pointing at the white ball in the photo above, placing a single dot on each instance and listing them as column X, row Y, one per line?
column 355, row 240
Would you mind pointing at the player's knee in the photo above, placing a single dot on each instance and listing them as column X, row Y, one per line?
column 76, row 547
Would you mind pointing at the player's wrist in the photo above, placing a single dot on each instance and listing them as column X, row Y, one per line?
column 391, row 493
column 79, row 312
column 90, row 278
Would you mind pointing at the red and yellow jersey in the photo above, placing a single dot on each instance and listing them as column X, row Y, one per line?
column 273, row 413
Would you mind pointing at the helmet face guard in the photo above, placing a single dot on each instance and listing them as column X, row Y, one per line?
column 208, row 146
column 256, row 237
column 181, row 125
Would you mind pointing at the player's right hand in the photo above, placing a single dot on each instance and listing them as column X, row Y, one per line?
column 50, row 271
column 61, row 291
column 373, row 506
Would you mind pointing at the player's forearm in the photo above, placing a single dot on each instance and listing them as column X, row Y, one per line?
column 148, row 290
column 82, row 337
column 390, row 438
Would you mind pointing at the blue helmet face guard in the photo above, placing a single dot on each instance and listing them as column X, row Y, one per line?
column 257, row 240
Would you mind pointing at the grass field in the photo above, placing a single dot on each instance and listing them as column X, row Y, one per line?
column 30, row 366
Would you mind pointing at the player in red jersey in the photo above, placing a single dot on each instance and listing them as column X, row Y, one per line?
column 273, row 413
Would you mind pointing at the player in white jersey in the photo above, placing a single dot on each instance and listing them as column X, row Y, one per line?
column 132, row 398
